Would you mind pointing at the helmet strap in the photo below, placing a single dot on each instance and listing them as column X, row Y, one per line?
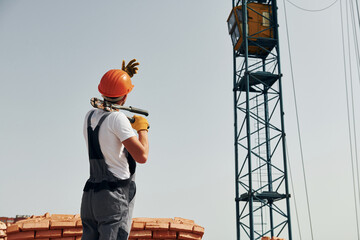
column 113, row 99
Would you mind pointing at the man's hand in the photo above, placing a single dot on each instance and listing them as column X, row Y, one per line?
column 131, row 68
column 140, row 123
column 138, row 147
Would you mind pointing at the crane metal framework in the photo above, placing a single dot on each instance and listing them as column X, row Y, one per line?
column 262, row 190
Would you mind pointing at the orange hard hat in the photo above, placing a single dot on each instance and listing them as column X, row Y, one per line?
column 115, row 83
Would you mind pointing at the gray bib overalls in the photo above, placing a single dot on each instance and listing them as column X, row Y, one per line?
column 107, row 201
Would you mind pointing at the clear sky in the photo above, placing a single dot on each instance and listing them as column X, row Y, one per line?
column 53, row 54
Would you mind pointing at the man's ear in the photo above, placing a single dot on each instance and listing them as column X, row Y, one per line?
column 122, row 101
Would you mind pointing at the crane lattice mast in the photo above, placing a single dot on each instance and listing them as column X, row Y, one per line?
column 262, row 190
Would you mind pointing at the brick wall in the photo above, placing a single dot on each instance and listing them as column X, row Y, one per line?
column 69, row 227
column 165, row 228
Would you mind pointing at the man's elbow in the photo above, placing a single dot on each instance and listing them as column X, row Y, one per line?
column 141, row 159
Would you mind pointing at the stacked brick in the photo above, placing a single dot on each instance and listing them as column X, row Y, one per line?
column 46, row 227
column 273, row 238
column 165, row 228
column 2, row 231
column 69, row 227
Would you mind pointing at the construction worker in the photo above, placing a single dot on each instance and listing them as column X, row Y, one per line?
column 114, row 149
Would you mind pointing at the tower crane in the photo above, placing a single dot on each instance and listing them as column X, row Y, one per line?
column 261, row 180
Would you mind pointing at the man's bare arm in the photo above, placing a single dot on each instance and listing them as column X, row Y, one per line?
column 138, row 148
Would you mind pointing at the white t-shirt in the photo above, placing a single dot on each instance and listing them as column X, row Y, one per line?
column 115, row 129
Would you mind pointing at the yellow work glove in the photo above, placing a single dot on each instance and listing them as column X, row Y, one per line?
column 140, row 123
column 131, row 68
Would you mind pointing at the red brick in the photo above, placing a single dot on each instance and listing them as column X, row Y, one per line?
column 141, row 234
column 164, row 220
column 156, row 226
column 48, row 234
column 138, row 226
column 62, row 217
column 78, row 223
column 72, row 232
column 21, row 235
column 144, row 220
column 265, row 238
column 199, row 230
column 183, row 220
column 64, row 238
column 189, row 236
column 164, row 235
column 13, row 228
column 62, row 224
column 181, row 227
column 42, row 225
column 29, row 220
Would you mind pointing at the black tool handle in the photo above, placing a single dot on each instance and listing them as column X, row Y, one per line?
column 139, row 111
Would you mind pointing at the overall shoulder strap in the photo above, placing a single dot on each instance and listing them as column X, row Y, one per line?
column 89, row 118
column 102, row 119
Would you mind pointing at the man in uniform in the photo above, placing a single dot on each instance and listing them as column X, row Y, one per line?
column 114, row 149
